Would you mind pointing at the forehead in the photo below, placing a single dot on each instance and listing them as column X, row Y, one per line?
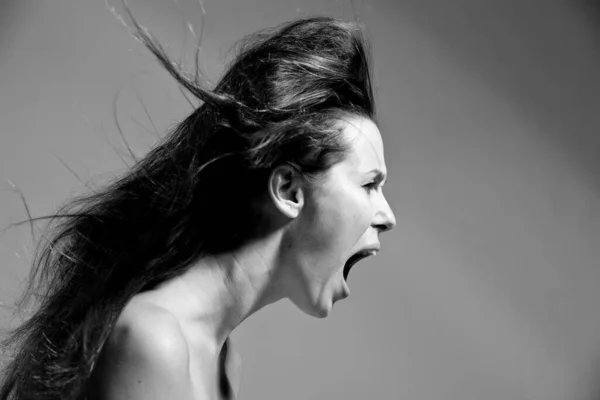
column 365, row 143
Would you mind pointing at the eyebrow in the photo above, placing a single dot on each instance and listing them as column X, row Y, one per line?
column 380, row 176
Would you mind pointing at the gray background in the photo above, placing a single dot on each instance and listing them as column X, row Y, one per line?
column 487, row 288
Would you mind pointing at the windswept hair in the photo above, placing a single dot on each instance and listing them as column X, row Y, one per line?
column 195, row 193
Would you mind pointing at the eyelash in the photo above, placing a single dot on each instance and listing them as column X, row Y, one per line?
column 371, row 186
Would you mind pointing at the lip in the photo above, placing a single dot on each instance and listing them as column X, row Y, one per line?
column 374, row 248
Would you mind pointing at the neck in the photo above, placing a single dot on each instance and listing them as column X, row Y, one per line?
column 219, row 292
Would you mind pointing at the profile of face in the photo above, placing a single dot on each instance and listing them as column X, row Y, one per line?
column 341, row 218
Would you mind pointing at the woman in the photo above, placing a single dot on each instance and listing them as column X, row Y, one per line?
column 271, row 189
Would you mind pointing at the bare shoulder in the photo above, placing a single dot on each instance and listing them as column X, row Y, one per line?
column 145, row 357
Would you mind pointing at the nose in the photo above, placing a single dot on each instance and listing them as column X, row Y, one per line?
column 384, row 218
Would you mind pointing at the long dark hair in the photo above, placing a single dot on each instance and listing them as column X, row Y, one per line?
column 193, row 194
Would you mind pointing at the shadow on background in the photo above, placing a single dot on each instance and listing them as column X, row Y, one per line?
column 542, row 60
column 11, row 11
column 590, row 382
column 541, row 57
column 591, row 9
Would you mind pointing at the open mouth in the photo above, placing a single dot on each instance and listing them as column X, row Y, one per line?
column 355, row 259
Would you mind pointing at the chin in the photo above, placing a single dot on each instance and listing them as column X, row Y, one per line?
column 321, row 313
column 319, row 309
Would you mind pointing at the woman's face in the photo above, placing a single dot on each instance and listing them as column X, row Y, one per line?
column 343, row 214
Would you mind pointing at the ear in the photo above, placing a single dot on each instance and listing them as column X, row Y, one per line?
column 286, row 189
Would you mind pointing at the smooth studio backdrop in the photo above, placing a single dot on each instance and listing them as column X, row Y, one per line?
column 488, row 286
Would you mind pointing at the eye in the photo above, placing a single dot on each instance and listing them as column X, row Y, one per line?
column 369, row 187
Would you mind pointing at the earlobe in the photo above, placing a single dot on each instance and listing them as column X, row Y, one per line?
column 286, row 190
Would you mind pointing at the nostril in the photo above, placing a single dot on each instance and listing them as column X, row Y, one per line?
column 383, row 227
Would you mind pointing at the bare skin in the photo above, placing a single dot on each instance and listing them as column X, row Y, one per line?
column 167, row 342
column 149, row 355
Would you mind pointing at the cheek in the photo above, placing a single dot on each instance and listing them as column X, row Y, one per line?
column 343, row 219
